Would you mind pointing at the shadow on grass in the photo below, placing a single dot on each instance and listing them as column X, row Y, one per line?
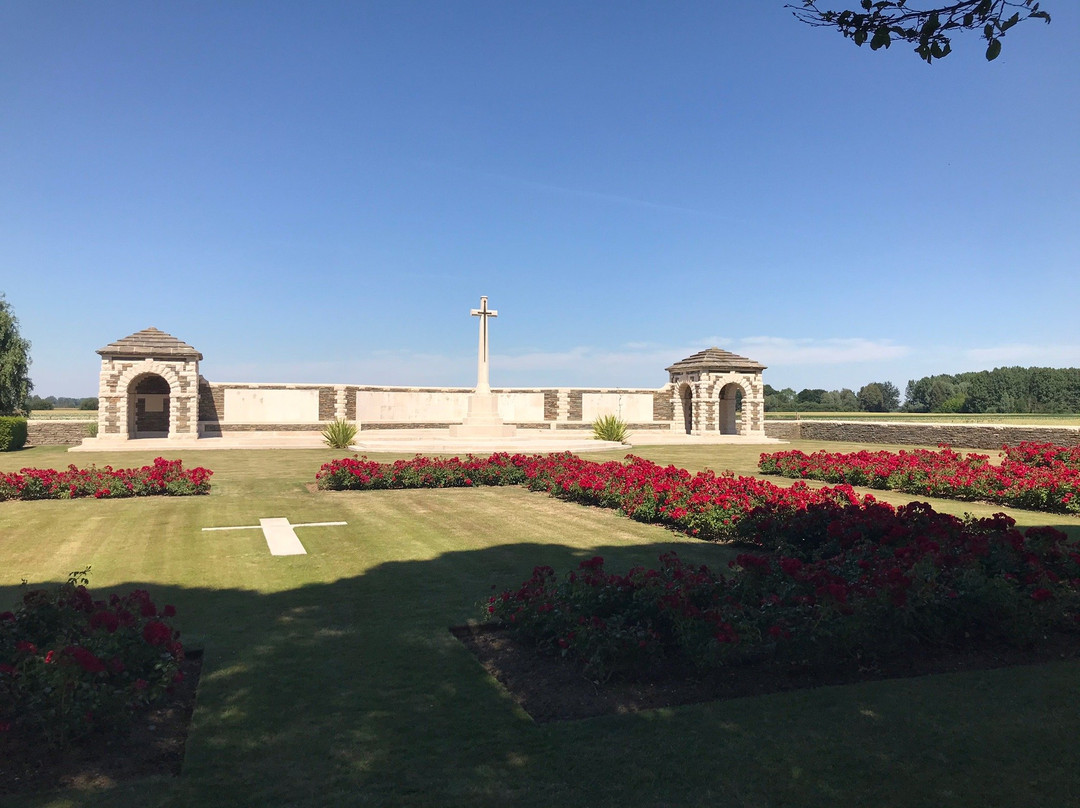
column 355, row 693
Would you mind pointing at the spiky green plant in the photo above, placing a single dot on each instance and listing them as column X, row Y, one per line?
column 339, row 434
column 610, row 427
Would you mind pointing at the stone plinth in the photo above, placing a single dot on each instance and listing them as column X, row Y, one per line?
column 482, row 420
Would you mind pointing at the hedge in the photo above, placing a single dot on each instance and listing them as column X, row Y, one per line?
column 12, row 432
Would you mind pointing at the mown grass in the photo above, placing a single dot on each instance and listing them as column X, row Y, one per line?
column 330, row 678
column 1018, row 418
column 68, row 414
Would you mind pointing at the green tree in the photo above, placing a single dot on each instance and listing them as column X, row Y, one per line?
column 879, row 397
column 38, row 403
column 929, row 28
column 15, row 384
column 779, row 400
column 810, row 396
column 840, row 400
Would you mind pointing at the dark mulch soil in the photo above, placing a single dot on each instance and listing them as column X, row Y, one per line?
column 155, row 746
column 551, row 689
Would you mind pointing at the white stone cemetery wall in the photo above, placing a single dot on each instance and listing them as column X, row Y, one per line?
column 630, row 407
column 262, row 406
column 441, row 406
column 226, row 407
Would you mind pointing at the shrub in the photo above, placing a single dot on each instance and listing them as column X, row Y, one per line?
column 870, row 585
column 12, row 432
column 339, row 434
column 1034, row 476
column 92, row 429
column 610, row 427
column 71, row 665
column 705, row 505
column 164, row 477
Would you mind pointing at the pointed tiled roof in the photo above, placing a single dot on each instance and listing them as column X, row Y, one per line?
column 151, row 342
column 715, row 360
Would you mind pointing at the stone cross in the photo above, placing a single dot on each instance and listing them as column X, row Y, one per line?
column 279, row 534
column 482, row 383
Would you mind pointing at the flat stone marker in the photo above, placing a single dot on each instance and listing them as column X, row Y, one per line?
column 279, row 534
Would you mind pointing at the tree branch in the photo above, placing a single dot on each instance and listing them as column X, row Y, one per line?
column 882, row 21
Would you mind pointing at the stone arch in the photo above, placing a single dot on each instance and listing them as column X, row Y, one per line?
column 728, row 394
column 128, row 385
column 684, row 409
column 716, row 378
column 126, row 367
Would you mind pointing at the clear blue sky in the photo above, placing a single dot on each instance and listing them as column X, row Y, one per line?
column 321, row 191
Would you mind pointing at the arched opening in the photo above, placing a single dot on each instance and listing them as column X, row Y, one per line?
column 148, row 407
column 731, row 396
column 686, row 399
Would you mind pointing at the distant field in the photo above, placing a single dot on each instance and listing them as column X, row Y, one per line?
column 63, row 415
column 1067, row 419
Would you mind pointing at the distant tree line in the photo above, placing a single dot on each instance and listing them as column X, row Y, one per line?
column 60, row 403
column 1015, row 389
column 873, row 397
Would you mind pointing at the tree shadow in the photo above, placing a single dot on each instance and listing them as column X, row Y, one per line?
column 354, row 692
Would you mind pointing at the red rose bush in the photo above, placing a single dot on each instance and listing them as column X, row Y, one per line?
column 162, row 477
column 705, row 505
column 828, row 576
column 71, row 665
column 1033, row 476
column 844, row 583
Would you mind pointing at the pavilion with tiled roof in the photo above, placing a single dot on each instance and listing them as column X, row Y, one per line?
column 710, row 388
column 149, row 387
column 150, row 342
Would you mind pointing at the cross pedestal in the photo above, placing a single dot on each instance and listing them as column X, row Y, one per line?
column 482, row 419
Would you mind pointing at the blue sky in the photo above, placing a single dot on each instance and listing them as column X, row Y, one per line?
column 321, row 191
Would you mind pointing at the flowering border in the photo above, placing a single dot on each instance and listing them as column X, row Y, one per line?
column 842, row 583
column 706, row 505
column 71, row 665
column 1031, row 476
column 163, row 477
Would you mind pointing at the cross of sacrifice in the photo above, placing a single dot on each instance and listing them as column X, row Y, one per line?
column 482, row 383
column 279, row 534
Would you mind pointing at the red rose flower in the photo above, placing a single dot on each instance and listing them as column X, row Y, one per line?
column 157, row 633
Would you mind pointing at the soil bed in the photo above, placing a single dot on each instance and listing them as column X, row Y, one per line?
column 552, row 689
column 155, row 746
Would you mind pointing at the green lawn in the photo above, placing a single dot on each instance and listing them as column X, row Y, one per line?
column 70, row 414
column 1017, row 418
column 330, row 678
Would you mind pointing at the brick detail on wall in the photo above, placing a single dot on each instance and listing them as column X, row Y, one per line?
column 551, row 405
column 965, row 436
column 350, row 404
column 211, row 401
column 573, row 407
column 216, row 429
column 326, row 403
column 663, row 408
column 404, row 425
column 57, row 433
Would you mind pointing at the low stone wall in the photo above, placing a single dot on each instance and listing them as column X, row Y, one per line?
column 57, row 433
column 973, row 436
column 241, row 407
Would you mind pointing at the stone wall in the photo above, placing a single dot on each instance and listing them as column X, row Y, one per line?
column 57, row 433
column 970, row 436
column 225, row 407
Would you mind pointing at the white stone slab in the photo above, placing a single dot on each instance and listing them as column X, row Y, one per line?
column 279, row 534
column 261, row 406
column 281, row 538
column 630, row 407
